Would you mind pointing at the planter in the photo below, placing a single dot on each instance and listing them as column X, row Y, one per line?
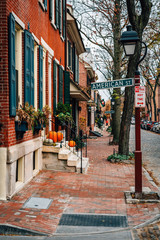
column 21, row 126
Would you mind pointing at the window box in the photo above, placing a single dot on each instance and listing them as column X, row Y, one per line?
column 21, row 126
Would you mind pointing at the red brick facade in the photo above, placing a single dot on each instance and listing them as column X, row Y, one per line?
column 31, row 14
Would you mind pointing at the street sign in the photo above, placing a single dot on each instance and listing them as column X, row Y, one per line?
column 113, row 84
column 139, row 96
column 107, row 112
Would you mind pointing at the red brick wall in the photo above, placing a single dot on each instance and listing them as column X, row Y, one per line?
column 29, row 11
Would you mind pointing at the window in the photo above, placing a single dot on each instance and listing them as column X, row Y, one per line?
column 69, row 55
column 52, row 12
column 20, row 170
column 40, row 77
column 76, row 69
column 60, row 84
column 28, row 68
column 55, row 77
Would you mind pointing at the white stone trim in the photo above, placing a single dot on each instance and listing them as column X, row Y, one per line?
column 18, row 20
column 54, row 25
column 62, row 67
column 19, row 150
column 3, row 160
column 47, row 47
column 36, row 39
column 56, row 60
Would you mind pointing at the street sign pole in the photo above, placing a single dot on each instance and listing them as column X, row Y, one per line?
column 138, row 153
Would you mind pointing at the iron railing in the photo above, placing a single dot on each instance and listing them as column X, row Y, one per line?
column 76, row 134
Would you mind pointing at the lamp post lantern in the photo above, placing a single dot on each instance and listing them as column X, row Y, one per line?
column 129, row 41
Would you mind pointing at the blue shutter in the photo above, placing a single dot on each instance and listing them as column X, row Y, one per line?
column 40, row 77
column 27, row 66
column 45, row 5
column 60, row 16
column 57, row 13
column 12, row 71
column 54, row 87
column 77, row 69
column 32, row 72
column 50, row 9
column 69, row 54
column 73, row 60
column 64, row 19
column 66, row 87
column 60, row 84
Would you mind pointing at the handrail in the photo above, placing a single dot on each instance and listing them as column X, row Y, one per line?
column 69, row 131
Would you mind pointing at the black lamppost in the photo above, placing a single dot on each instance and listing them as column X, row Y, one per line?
column 129, row 40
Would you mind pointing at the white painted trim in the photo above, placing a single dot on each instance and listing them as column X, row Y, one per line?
column 54, row 25
column 35, row 76
column 56, row 60
column 18, row 20
column 42, row 4
column 36, row 39
column 47, row 47
column 62, row 67
column 3, row 160
column 44, row 77
column 50, row 58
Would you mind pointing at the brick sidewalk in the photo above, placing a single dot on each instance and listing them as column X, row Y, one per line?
column 100, row 191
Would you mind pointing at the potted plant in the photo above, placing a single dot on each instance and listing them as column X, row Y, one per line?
column 24, row 119
column 40, row 118
column 63, row 113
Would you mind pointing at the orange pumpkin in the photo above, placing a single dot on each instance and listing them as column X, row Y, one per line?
column 59, row 136
column 71, row 143
column 53, row 136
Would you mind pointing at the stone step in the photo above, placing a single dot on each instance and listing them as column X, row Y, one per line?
column 85, row 165
column 64, row 154
column 72, row 160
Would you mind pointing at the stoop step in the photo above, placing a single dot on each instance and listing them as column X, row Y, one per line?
column 72, row 160
column 64, row 154
column 85, row 165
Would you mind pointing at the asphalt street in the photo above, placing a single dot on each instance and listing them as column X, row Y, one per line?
column 150, row 146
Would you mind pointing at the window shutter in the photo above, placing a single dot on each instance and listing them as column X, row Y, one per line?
column 76, row 69
column 32, row 71
column 57, row 13
column 54, row 87
column 60, row 84
column 50, row 9
column 45, row 5
column 60, row 16
column 69, row 54
column 66, row 87
column 73, row 60
column 64, row 20
column 12, row 71
column 40, row 77
column 27, row 66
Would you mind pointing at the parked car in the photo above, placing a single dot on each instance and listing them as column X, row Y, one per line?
column 153, row 128
column 144, row 124
column 157, row 128
column 149, row 125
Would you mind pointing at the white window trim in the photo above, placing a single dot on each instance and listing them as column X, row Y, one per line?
column 18, row 66
column 44, row 77
column 47, row 47
column 42, row 4
column 18, row 20
column 35, row 75
column 36, row 39
column 50, row 88
column 54, row 25
column 56, row 60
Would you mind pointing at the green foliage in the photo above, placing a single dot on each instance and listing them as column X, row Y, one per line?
column 118, row 157
column 109, row 129
column 63, row 108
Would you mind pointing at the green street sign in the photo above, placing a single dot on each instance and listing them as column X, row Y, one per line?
column 112, row 111
column 113, row 84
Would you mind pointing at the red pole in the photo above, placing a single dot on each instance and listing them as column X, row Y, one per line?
column 138, row 153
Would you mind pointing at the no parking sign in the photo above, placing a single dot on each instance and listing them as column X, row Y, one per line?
column 139, row 96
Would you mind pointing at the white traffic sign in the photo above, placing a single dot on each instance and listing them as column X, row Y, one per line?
column 113, row 84
column 139, row 96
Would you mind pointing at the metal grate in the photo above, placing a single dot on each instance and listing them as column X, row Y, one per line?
column 93, row 220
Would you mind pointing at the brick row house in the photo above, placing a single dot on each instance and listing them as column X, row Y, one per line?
column 40, row 46
column 32, row 61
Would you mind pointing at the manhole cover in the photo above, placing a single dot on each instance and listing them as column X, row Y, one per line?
column 39, row 203
column 93, row 220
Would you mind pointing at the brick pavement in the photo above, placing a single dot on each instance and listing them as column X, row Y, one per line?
column 100, row 191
